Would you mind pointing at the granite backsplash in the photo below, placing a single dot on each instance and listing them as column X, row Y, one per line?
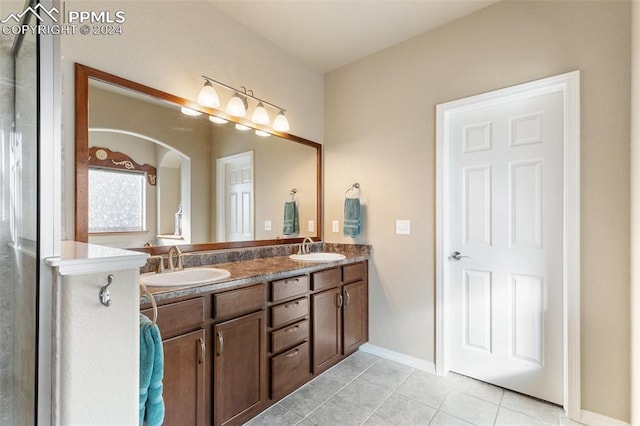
column 214, row 257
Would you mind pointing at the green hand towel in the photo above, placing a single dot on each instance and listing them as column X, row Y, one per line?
column 291, row 225
column 151, row 408
column 351, row 217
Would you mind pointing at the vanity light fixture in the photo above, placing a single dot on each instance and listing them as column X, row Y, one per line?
column 189, row 111
column 281, row 124
column 242, row 127
column 239, row 104
column 260, row 115
column 208, row 96
column 236, row 106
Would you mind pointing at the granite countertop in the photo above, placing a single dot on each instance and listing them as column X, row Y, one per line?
column 253, row 271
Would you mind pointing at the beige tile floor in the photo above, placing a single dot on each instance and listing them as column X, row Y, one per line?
column 367, row 390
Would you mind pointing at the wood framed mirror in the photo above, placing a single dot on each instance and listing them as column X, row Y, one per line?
column 215, row 187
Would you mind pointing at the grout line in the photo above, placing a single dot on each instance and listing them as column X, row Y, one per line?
column 387, row 398
column 338, row 391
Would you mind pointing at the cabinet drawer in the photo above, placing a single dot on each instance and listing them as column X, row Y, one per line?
column 290, row 287
column 289, row 336
column 180, row 317
column 235, row 303
column 289, row 370
column 289, row 311
column 326, row 279
column 353, row 272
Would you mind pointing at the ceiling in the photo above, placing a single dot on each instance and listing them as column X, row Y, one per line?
column 327, row 34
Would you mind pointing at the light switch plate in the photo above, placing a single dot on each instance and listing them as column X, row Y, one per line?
column 312, row 226
column 267, row 225
column 403, row 227
column 335, row 226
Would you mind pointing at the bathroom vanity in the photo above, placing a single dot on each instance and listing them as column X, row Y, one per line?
column 234, row 348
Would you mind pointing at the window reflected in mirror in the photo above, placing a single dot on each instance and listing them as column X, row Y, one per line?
column 116, row 201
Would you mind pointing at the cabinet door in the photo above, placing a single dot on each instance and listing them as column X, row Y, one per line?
column 184, row 378
column 327, row 327
column 355, row 316
column 239, row 368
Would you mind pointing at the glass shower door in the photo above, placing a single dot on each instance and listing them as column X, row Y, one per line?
column 18, row 228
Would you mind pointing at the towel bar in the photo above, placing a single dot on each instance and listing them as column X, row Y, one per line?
column 145, row 291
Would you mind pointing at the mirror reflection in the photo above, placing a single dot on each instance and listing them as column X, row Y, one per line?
column 157, row 176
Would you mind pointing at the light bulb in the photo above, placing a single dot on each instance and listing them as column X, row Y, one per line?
column 262, row 133
column 189, row 111
column 242, row 127
column 260, row 115
column 217, row 120
column 281, row 124
column 208, row 96
column 236, row 107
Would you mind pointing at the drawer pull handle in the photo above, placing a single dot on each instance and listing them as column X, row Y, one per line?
column 339, row 300
column 292, row 329
column 202, row 351
column 347, row 298
column 220, row 344
column 288, row 305
column 292, row 354
column 295, row 280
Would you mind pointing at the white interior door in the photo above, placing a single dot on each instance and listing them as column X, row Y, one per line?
column 235, row 205
column 505, row 311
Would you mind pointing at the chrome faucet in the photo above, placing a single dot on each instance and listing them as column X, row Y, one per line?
column 304, row 245
column 175, row 250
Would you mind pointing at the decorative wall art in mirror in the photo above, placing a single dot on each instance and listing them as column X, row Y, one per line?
column 149, row 176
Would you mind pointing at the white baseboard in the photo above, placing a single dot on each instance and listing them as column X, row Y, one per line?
column 418, row 363
column 595, row 419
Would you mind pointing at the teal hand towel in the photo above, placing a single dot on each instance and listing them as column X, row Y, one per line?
column 351, row 217
column 151, row 409
column 291, row 225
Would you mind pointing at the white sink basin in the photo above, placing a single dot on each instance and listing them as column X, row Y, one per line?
column 318, row 257
column 190, row 276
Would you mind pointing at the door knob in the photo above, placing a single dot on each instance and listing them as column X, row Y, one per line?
column 456, row 255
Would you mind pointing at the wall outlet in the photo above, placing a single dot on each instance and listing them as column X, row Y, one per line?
column 312, row 226
column 267, row 225
column 403, row 227
column 335, row 226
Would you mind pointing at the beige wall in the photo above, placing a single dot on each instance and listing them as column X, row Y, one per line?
column 380, row 131
column 635, row 216
column 169, row 46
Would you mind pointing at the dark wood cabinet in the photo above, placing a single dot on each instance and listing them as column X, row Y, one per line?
column 239, row 368
column 339, row 315
column 184, row 374
column 229, row 354
column 354, row 316
column 184, row 379
column 326, row 313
